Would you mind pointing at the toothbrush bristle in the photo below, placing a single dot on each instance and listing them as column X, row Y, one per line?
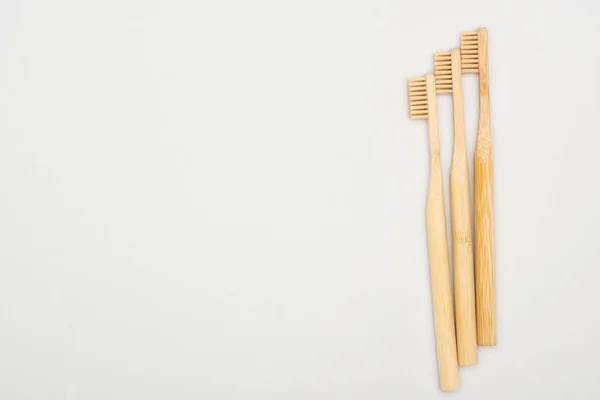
column 469, row 52
column 417, row 98
column 442, row 68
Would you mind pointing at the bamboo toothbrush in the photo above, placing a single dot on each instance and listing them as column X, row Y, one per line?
column 448, row 79
column 422, row 105
column 474, row 59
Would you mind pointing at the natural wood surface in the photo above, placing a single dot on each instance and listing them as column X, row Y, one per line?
column 422, row 105
column 448, row 79
column 485, row 274
column 439, row 267
column 462, row 248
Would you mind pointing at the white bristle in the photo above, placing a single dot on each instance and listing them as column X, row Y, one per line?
column 442, row 68
column 469, row 52
column 417, row 98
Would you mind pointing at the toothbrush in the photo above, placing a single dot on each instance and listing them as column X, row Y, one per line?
column 474, row 59
column 448, row 79
column 422, row 105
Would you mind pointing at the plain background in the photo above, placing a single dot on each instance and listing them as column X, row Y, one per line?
column 225, row 199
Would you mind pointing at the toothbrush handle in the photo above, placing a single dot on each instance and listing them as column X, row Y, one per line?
column 439, row 274
column 484, row 243
column 437, row 246
column 485, row 274
column 462, row 247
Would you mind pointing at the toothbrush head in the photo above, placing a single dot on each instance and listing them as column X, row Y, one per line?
column 417, row 98
column 471, row 47
column 442, row 68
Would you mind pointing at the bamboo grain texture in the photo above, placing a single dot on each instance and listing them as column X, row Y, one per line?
column 462, row 246
column 485, row 273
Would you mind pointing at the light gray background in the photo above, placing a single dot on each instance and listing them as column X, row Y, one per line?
column 225, row 200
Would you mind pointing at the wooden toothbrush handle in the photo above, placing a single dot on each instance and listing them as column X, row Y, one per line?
column 439, row 274
column 439, row 267
column 485, row 274
column 484, row 244
column 462, row 247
